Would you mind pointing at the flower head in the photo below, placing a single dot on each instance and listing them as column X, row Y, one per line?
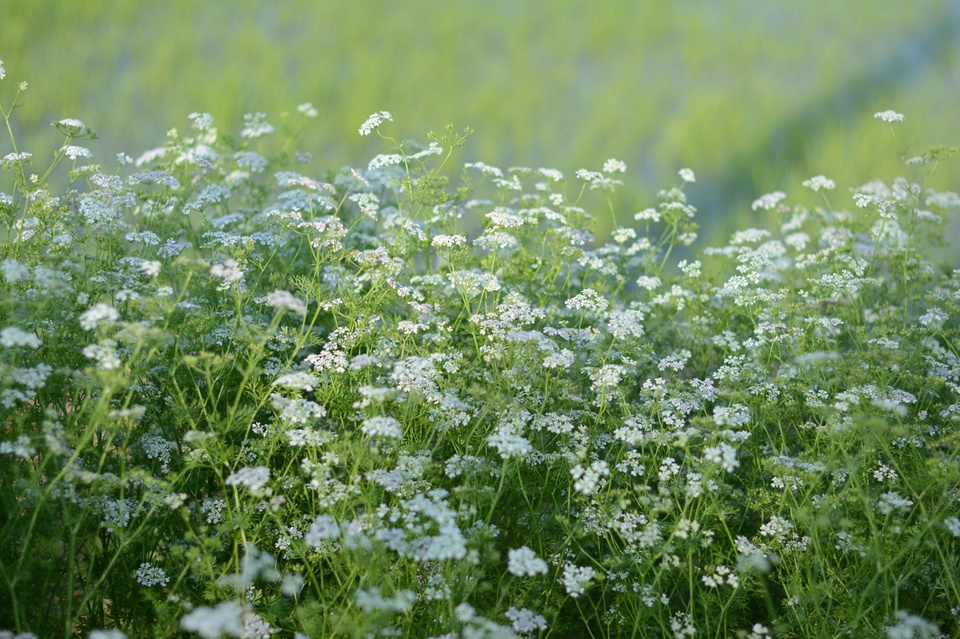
column 523, row 562
column 374, row 121
column 889, row 116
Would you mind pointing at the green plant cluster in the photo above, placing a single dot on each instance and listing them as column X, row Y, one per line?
column 239, row 398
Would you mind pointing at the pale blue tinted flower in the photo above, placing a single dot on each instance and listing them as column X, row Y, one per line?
column 256, row 126
column 201, row 121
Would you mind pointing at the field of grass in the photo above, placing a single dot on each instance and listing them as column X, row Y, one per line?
column 757, row 95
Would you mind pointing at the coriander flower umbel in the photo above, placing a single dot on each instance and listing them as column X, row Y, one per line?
column 523, row 562
column 100, row 313
column 308, row 110
column 575, row 578
column 889, row 116
column 14, row 336
column 382, row 427
column 3, row 72
column 255, row 479
column 213, row 623
column 71, row 127
column 687, row 175
column 284, row 300
column 614, row 166
column 374, row 121
column 820, row 183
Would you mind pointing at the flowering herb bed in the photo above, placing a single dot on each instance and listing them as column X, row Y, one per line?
column 242, row 399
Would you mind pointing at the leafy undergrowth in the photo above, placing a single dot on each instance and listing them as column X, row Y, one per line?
column 242, row 399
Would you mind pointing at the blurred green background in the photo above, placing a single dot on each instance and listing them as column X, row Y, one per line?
column 754, row 95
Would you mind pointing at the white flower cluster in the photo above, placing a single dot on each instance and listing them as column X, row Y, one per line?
column 525, row 621
column 296, row 411
column 588, row 299
column 576, row 578
column 374, row 121
column 212, row 623
column 284, row 300
column 724, row 454
column 448, row 241
column 372, row 599
column 820, row 183
column 323, row 528
column 590, row 480
column 254, row 478
column 149, row 575
column 891, row 501
column 14, row 336
column 889, row 116
column 768, row 201
column 523, row 562
column 382, row 426
column 297, row 380
column 97, row 315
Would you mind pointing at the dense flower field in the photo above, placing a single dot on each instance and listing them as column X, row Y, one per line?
column 242, row 398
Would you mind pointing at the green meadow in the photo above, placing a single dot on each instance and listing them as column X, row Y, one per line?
column 756, row 95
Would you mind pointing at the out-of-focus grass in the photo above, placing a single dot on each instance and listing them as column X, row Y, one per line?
column 753, row 95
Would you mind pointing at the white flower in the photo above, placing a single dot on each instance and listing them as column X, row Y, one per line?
column 588, row 299
column 889, row 116
column 308, row 110
column 324, row 527
column 820, row 183
column 151, row 268
column 298, row 380
column 614, row 166
column 892, row 501
column 285, row 300
column 200, row 121
column 213, row 623
column 3, row 72
column 372, row 600
column 15, row 336
column 575, row 578
column 448, row 241
column 70, row 126
column 768, row 201
column 509, row 444
column 229, row 271
column 523, row 562
column 687, row 175
column 149, row 575
column 106, row 634
column 256, row 126
column 105, row 356
column 94, row 316
column 933, row 316
column 73, row 152
column 525, row 621
column 374, row 121
column 912, row 627
column 589, row 480
column 253, row 478
column 381, row 426
column 649, row 282
column 953, row 525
